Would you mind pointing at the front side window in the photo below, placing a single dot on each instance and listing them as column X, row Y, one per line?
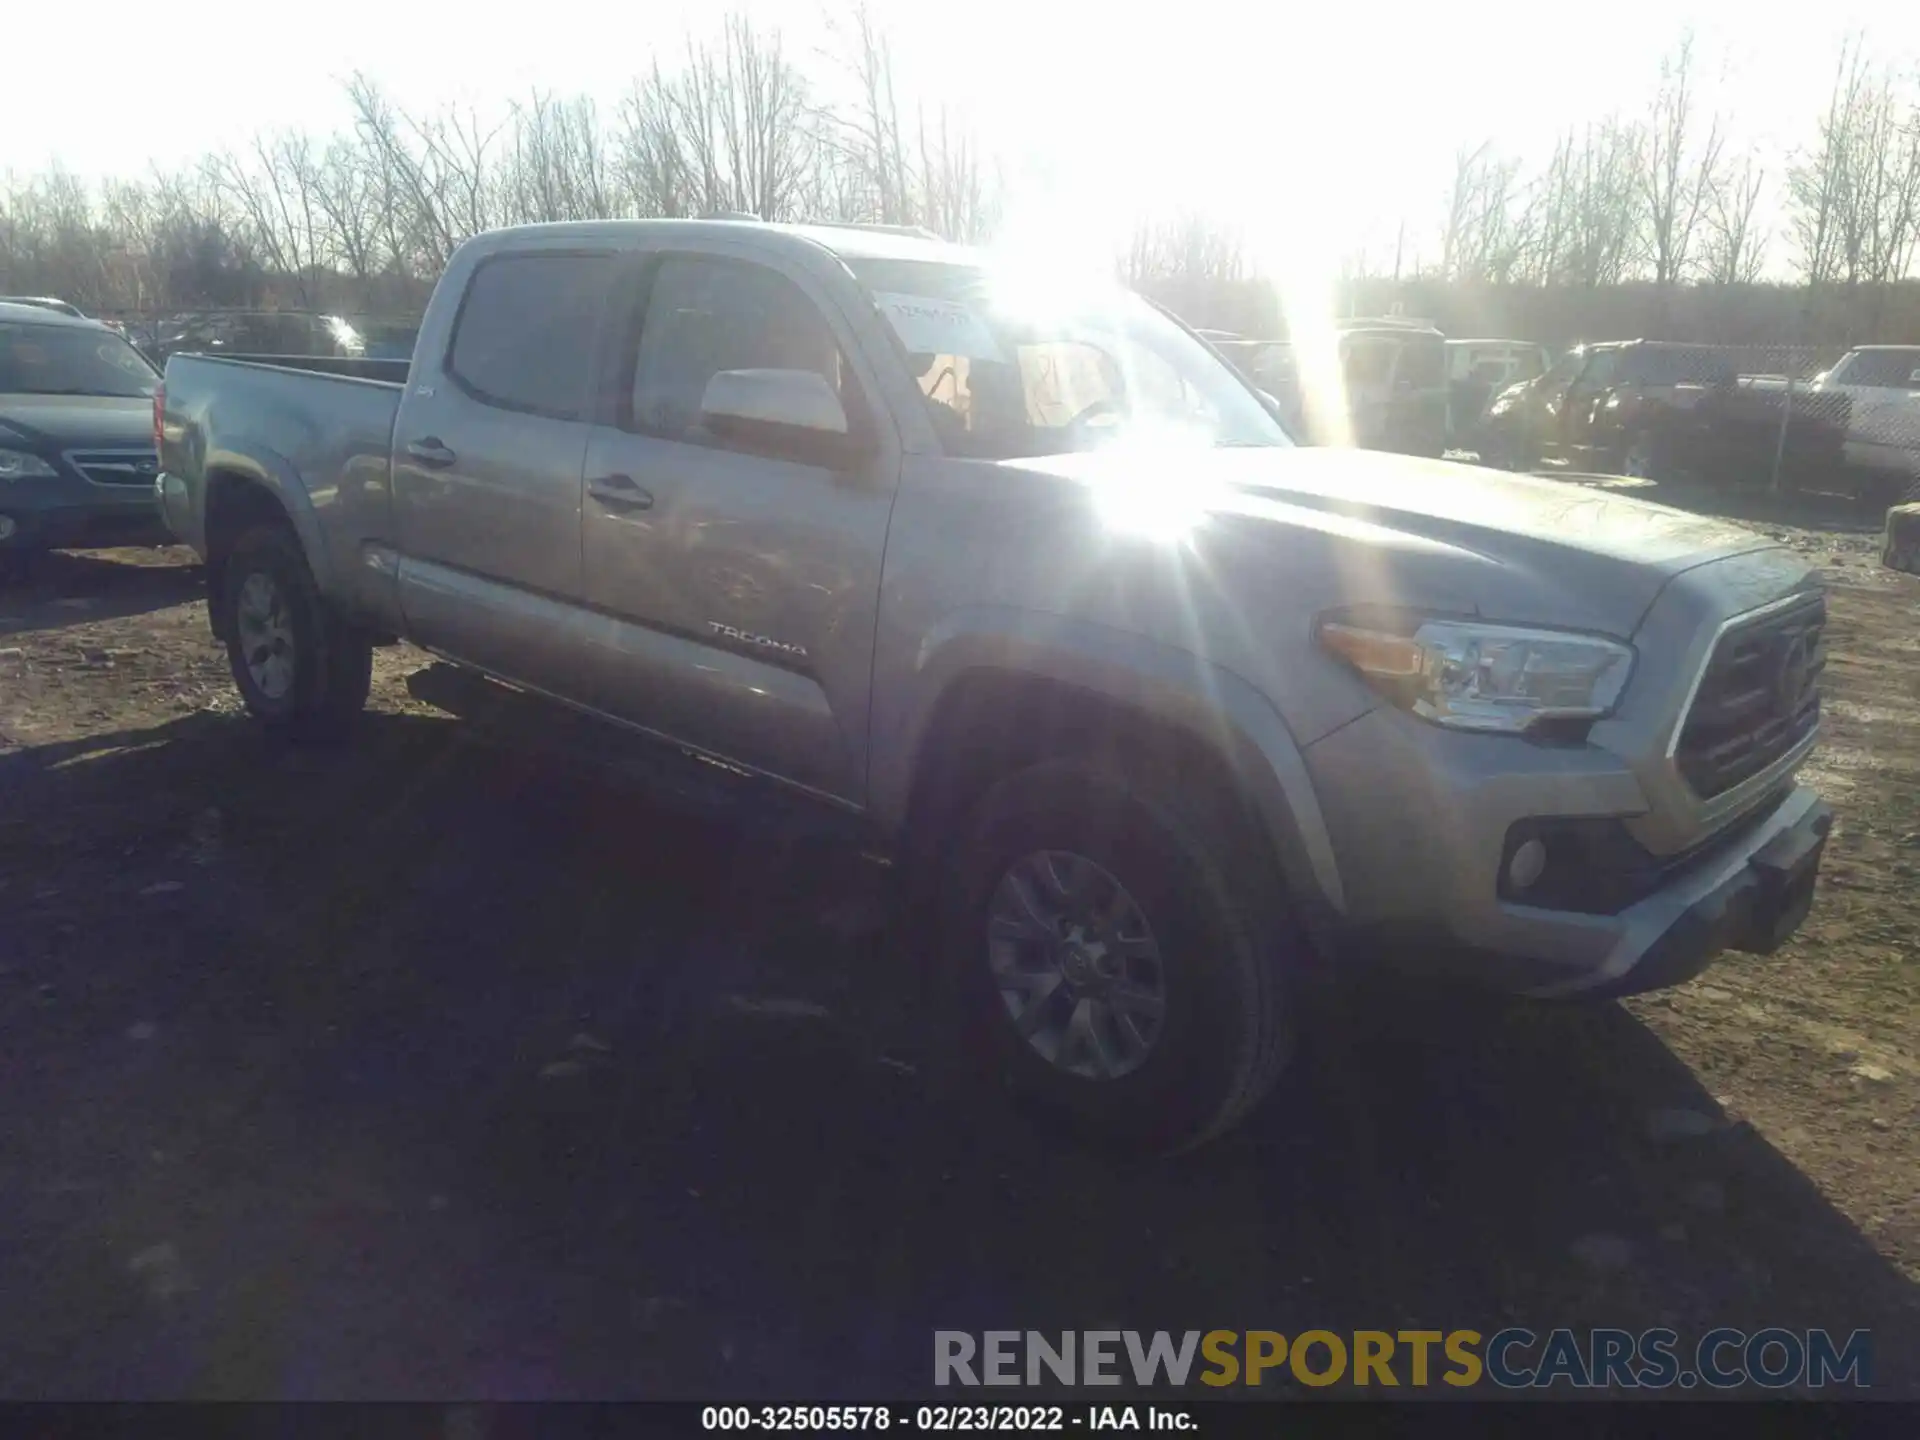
column 525, row 336
column 1652, row 366
column 70, row 360
column 1562, row 371
column 705, row 316
column 1008, row 374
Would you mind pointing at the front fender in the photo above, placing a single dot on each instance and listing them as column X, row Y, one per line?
column 1161, row 683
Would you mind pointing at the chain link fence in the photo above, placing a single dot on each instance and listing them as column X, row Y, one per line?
column 1848, row 421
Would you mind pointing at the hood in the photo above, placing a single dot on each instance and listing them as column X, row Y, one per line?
column 1362, row 527
column 77, row 422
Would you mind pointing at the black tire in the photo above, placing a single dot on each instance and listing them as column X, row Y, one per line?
column 331, row 660
column 1226, row 956
column 1643, row 457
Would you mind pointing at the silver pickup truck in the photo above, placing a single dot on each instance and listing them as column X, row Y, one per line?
column 1158, row 711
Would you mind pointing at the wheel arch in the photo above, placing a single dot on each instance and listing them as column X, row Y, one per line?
column 1006, row 688
column 243, row 492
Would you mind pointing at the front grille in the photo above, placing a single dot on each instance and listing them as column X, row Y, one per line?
column 116, row 467
column 1759, row 697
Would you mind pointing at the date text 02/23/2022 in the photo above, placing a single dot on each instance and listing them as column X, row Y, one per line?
column 815, row 1419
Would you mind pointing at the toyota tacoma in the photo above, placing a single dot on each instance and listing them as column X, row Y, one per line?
column 1156, row 711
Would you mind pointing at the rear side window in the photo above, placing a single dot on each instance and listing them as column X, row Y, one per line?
column 526, row 333
column 1681, row 367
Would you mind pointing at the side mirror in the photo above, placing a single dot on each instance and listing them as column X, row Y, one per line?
column 786, row 412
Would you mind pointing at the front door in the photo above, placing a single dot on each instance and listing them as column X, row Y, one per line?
column 739, row 579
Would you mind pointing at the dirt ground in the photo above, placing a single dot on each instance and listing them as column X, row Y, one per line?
column 434, row 1067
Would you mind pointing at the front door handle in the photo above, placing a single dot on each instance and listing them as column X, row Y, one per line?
column 429, row 451
column 620, row 492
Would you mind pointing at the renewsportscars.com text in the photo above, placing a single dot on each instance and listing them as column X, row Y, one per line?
column 1513, row 1358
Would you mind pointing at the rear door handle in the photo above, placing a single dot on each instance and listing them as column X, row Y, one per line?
column 429, row 451
column 619, row 492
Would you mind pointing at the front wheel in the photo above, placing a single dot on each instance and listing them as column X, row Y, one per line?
column 301, row 670
column 1109, row 959
column 1643, row 459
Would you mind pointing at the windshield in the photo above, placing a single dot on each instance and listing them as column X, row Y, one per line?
column 1880, row 370
column 1007, row 377
column 70, row 360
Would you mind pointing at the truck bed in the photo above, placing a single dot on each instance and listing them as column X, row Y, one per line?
column 315, row 433
column 388, row 372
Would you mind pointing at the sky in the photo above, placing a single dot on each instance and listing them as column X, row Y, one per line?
column 1257, row 114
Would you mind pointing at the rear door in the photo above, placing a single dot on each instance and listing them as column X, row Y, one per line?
column 486, row 465
column 739, row 580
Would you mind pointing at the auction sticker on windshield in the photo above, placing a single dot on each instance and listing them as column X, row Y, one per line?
column 937, row 327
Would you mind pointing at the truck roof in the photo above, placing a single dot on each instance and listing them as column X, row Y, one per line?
column 849, row 242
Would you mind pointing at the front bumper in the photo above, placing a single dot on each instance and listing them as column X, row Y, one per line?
column 83, row 527
column 1750, row 896
column 1747, row 891
column 67, row 511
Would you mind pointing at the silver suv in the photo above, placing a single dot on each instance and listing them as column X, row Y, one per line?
column 1157, row 709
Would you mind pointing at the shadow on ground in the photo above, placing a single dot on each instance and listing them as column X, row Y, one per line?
column 62, row 588
column 420, row 1069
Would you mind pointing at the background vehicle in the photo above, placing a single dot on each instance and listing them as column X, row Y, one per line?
column 1880, row 385
column 1647, row 408
column 1394, row 377
column 260, row 332
column 1154, row 708
column 77, row 461
column 1396, row 384
column 45, row 302
column 1478, row 370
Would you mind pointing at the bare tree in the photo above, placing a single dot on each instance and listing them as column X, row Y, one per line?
column 556, row 167
column 730, row 130
column 1733, row 250
column 1585, row 222
column 1854, row 196
column 273, row 187
column 957, row 196
column 870, row 138
column 1483, row 237
column 1184, row 246
column 1680, row 171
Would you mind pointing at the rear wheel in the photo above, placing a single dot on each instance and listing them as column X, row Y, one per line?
column 1107, row 957
column 301, row 670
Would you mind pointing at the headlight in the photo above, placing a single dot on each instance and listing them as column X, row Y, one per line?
column 1469, row 676
column 19, row 465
